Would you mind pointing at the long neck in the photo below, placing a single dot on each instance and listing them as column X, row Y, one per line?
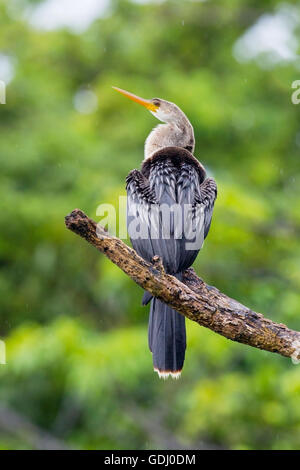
column 171, row 134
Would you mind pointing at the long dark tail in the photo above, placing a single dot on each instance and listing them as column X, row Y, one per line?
column 167, row 339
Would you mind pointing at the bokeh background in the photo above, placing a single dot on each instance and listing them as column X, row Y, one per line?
column 79, row 373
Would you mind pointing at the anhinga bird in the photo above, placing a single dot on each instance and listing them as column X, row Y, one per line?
column 170, row 177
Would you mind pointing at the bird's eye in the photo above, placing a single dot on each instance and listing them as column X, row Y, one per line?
column 156, row 102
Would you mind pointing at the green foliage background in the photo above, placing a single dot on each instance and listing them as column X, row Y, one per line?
column 78, row 364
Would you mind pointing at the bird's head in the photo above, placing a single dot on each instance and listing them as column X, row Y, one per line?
column 163, row 110
column 179, row 133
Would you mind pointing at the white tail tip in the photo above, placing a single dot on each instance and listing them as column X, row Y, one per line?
column 165, row 374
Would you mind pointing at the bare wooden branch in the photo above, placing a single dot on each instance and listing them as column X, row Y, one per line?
column 193, row 298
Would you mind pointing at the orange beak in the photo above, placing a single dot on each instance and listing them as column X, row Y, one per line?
column 147, row 103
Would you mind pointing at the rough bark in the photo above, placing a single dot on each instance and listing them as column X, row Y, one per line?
column 193, row 298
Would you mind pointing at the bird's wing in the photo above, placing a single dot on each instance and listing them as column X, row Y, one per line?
column 162, row 180
column 188, row 184
column 142, row 223
column 207, row 196
column 177, row 237
column 193, row 213
column 177, row 185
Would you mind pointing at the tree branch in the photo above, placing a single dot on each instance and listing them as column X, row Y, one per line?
column 193, row 298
